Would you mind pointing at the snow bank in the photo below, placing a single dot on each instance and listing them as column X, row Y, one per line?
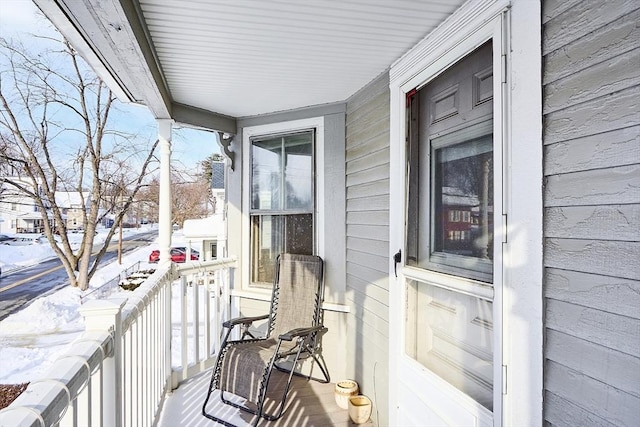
column 33, row 338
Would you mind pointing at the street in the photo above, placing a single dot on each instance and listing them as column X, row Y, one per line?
column 19, row 288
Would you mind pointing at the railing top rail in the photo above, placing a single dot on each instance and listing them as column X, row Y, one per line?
column 46, row 400
column 192, row 267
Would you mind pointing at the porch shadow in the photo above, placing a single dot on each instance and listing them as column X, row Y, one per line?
column 309, row 404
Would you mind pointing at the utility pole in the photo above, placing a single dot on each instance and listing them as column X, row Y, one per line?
column 120, row 244
column 120, row 232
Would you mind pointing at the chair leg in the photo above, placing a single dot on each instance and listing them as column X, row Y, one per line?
column 283, row 400
column 323, row 367
column 204, row 406
column 319, row 360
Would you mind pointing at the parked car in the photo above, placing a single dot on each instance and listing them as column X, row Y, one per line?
column 178, row 254
column 25, row 240
column 4, row 239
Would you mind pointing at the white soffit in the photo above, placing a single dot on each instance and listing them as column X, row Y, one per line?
column 250, row 57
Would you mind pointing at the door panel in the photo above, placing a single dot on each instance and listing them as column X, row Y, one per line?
column 447, row 363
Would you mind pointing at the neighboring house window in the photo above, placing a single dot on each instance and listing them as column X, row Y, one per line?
column 214, row 251
column 14, row 206
column 282, row 200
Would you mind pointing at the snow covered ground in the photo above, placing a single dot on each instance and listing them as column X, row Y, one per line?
column 33, row 338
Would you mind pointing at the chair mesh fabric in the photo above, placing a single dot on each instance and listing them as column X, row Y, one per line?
column 294, row 305
column 300, row 277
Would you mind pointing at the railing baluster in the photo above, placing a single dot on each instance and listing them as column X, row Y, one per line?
column 206, row 302
column 196, row 319
column 184, row 328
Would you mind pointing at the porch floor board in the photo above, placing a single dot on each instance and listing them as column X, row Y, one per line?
column 309, row 404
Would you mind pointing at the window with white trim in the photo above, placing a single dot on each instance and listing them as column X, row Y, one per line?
column 282, row 200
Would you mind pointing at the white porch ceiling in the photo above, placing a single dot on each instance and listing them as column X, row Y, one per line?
column 251, row 57
column 244, row 57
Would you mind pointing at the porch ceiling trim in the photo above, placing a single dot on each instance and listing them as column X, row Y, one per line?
column 202, row 118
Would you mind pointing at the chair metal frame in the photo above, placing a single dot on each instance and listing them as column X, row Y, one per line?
column 307, row 343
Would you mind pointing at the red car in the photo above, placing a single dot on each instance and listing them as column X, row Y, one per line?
column 178, row 254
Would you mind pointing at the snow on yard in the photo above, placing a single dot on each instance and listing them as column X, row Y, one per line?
column 33, row 338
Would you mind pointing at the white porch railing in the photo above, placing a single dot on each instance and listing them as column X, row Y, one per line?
column 119, row 370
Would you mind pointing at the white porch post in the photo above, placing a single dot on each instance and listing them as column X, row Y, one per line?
column 164, row 208
column 103, row 315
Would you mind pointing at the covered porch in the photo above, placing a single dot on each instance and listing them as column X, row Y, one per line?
column 311, row 105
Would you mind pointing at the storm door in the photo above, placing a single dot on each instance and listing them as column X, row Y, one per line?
column 450, row 264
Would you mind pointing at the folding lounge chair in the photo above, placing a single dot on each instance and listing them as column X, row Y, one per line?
column 244, row 366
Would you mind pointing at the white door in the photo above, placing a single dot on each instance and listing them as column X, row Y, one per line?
column 447, row 278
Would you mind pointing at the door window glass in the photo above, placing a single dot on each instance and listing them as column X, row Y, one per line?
column 461, row 208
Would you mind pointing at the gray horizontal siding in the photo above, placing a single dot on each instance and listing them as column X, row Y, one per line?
column 563, row 413
column 591, row 120
column 621, row 371
column 612, row 222
column 580, row 19
column 613, row 405
column 375, row 232
column 607, row 42
column 619, row 185
column 606, row 293
column 585, row 85
column 604, row 328
column 599, row 115
column 367, row 228
column 616, row 148
column 368, row 203
column 606, row 257
column 374, row 247
column 374, row 173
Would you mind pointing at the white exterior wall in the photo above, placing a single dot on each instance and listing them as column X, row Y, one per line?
column 13, row 206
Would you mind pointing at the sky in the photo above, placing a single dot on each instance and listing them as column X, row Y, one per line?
column 19, row 18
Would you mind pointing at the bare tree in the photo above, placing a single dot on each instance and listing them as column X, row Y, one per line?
column 189, row 200
column 56, row 135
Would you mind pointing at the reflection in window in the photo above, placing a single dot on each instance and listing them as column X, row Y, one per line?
column 463, row 187
column 272, row 235
column 456, row 236
column 282, row 200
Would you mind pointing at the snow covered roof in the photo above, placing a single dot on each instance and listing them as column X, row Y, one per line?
column 72, row 199
column 204, row 228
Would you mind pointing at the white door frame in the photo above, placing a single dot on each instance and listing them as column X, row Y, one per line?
column 521, row 295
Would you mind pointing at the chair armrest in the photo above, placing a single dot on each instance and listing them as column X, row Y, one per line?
column 300, row 332
column 243, row 321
